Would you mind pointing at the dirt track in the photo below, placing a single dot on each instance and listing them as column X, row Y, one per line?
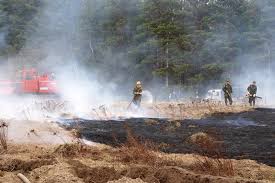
column 245, row 135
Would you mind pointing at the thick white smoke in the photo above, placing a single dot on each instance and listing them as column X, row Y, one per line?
column 58, row 37
column 54, row 47
column 258, row 64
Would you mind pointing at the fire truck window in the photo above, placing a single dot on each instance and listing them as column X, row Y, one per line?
column 28, row 77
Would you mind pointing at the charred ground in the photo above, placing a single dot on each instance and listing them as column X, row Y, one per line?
column 244, row 135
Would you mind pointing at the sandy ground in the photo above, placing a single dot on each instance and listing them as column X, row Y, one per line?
column 46, row 153
column 56, row 164
column 37, row 132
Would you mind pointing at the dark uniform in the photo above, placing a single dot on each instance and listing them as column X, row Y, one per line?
column 252, row 91
column 227, row 89
column 137, row 94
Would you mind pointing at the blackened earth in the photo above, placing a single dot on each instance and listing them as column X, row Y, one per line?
column 247, row 135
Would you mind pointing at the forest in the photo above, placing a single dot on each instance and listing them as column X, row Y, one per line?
column 175, row 42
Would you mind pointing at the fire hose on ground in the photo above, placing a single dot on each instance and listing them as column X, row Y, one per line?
column 23, row 178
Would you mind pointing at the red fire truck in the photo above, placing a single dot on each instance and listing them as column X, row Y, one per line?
column 29, row 81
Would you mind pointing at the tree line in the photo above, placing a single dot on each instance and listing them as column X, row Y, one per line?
column 190, row 42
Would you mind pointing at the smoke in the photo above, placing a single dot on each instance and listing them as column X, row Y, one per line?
column 2, row 39
column 60, row 41
column 244, row 45
column 3, row 31
column 258, row 62
column 58, row 44
column 56, row 35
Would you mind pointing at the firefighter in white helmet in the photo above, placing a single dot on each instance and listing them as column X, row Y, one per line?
column 137, row 94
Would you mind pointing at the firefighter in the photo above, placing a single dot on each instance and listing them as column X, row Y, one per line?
column 252, row 91
column 227, row 89
column 52, row 76
column 137, row 94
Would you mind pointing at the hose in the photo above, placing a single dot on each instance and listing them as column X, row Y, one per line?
column 23, row 178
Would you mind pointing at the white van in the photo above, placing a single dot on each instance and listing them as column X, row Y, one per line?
column 215, row 95
column 218, row 94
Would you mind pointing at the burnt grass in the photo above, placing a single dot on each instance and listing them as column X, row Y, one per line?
column 247, row 135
